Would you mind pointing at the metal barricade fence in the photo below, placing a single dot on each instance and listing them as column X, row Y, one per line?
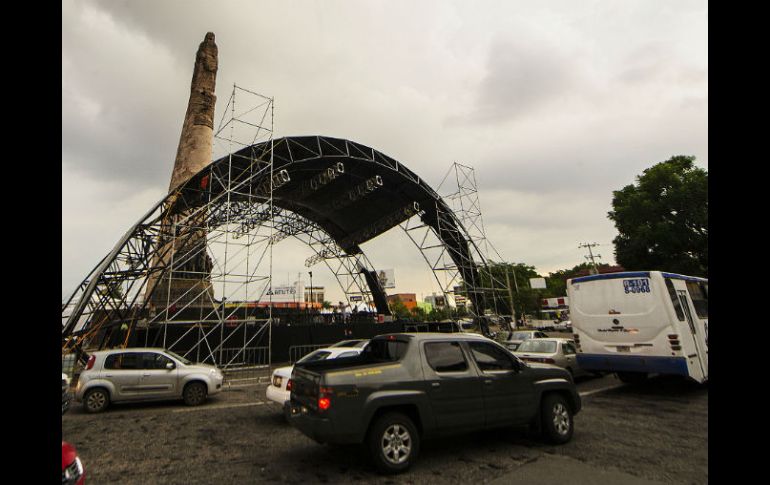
column 240, row 357
column 296, row 352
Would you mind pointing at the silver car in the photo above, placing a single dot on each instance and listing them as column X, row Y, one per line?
column 556, row 351
column 143, row 374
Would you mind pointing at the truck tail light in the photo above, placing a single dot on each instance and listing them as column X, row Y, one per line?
column 324, row 398
column 91, row 361
column 288, row 385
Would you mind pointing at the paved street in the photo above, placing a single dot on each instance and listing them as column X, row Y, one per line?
column 654, row 432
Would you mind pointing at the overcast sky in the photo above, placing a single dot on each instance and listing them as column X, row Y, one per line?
column 555, row 104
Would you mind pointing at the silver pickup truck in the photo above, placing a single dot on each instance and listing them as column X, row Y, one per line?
column 411, row 386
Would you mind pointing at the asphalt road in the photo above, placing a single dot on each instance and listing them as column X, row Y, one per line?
column 648, row 433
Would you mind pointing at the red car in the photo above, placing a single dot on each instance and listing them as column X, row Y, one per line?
column 72, row 471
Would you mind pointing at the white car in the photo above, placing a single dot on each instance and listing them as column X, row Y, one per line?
column 279, row 389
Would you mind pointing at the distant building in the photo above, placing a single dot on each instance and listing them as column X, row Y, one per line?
column 408, row 299
column 317, row 296
column 437, row 301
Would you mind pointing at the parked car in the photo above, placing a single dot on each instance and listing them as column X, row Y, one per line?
column 66, row 395
column 361, row 343
column 143, row 374
column 407, row 387
column 557, row 351
column 279, row 389
column 72, row 471
column 518, row 336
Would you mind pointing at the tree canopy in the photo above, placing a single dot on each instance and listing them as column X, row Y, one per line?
column 662, row 220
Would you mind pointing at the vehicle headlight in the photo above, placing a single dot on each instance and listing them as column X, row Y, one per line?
column 79, row 465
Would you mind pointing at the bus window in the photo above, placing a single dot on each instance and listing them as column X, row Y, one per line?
column 674, row 300
column 699, row 296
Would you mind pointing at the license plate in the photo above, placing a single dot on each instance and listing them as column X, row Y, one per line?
column 624, row 348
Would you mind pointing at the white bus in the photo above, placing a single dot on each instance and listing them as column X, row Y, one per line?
column 637, row 323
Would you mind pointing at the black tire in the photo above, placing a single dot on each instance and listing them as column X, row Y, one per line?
column 556, row 416
column 194, row 393
column 632, row 377
column 393, row 443
column 96, row 400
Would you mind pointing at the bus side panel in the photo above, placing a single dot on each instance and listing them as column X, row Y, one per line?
column 690, row 349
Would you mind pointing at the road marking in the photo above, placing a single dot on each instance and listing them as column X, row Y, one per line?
column 226, row 406
column 588, row 393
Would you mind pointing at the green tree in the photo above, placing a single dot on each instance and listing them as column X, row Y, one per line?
column 525, row 299
column 557, row 281
column 418, row 314
column 662, row 220
column 398, row 308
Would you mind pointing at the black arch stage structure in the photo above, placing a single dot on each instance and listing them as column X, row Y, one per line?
column 187, row 275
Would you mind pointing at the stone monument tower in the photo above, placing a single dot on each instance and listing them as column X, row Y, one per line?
column 189, row 284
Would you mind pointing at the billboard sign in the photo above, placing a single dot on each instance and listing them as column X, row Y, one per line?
column 537, row 283
column 387, row 278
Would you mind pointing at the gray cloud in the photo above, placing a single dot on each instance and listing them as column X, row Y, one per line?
column 522, row 76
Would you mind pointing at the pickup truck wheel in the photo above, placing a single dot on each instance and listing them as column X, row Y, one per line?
column 393, row 443
column 194, row 393
column 557, row 419
column 96, row 400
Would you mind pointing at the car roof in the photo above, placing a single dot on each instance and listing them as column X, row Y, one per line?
column 130, row 349
column 423, row 336
column 338, row 350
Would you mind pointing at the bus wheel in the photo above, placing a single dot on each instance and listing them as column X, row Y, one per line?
column 632, row 377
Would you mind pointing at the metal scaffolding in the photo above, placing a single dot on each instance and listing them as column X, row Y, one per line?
column 194, row 274
column 459, row 216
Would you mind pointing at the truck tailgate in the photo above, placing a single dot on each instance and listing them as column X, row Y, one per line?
column 304, row 387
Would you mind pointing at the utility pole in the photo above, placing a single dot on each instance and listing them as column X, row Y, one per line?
column 590, row 255
column 510, row 298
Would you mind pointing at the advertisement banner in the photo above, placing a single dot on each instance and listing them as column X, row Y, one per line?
column 285, row 294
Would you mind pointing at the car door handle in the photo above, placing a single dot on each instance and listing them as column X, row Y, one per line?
column 487, row 381
column 435, row 384
column 107, row 375
column 146, row 375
